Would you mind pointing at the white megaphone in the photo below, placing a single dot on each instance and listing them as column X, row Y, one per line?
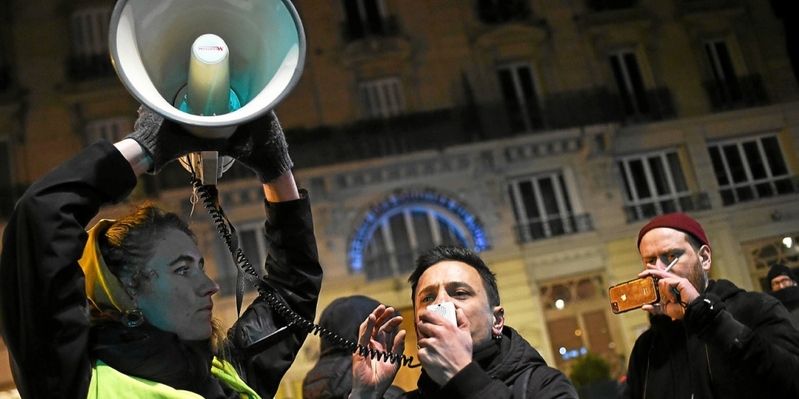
column 209, row 65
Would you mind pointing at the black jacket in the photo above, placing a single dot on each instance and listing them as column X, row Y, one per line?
column 494, row 377
column 44, row 314
column 731, row 344
column 789, row 297
column 331, row 376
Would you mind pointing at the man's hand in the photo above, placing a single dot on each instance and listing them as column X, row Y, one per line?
column 372, row 377
column 444, row 348
column 675, row 294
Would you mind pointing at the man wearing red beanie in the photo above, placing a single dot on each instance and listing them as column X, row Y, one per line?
column 708, row 338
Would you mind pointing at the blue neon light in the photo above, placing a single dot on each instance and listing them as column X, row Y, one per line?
column 378, row 211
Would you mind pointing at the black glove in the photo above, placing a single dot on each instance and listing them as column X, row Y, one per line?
column 261, row 146
column 166, row 141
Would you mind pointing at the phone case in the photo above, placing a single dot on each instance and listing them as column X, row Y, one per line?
column 446, row 309
column 633, row 294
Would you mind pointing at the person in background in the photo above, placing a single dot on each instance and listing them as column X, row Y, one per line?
column 708, row 338
column 331, row 376
column 125, row 309
column 785, row 289
column 781, row 277
column 478, row 356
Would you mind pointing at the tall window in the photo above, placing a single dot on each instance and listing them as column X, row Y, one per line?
column 629, row 82
column 720, row 62
column 576, row 313
column 403, row 226
column 382, row 98
column 112, row 129
column 89, row 34
column 725, row 80
column 520, row 95
column 253, row 243
column 7, row 189
column 751, row 168
column 366, row 17
column 543, row 209
column 500, row 11
column 654, row 184
column 5, row 62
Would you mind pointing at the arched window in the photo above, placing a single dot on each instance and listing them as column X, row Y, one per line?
column 403, row 226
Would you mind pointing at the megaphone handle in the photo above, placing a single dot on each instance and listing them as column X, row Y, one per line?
column 205, row 166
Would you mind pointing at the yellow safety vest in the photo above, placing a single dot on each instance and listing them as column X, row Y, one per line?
column 110, row 383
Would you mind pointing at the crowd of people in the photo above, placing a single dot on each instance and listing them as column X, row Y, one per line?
column 124, row 308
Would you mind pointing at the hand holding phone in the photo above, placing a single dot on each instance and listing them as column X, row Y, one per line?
column 633, row 294
column 446, row 309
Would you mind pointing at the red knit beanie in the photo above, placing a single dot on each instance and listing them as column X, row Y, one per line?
column 676, row 221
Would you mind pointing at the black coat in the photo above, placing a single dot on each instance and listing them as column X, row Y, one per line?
column 789, row 297
column 496, row 377
column 331, row 378
column 44, row 313
column 748, row 350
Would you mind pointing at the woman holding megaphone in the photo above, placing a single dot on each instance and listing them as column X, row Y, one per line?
column 124, row 310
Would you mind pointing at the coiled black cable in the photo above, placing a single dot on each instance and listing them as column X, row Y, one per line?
column 210, row 199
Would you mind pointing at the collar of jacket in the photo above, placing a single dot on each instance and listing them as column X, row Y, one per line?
column 153, row 354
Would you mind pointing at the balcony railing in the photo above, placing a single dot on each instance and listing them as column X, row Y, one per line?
column 741, row 92
column 500, row 12
column 384, row 27
column 702, row 6
column 569, row 109
column 648, row 209
column 608, row 5
column 435, row 130
column 537, row 229
column 751, row 191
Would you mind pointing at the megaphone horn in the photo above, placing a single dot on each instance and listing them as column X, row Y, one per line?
column 245, row 56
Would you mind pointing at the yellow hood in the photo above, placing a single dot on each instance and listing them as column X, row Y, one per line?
column 103, row 288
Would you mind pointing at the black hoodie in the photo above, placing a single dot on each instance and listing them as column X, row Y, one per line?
column 494, row 371
column 731, row 344
column 789, row 296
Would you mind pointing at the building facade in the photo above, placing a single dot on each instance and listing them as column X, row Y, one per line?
column 543, row 134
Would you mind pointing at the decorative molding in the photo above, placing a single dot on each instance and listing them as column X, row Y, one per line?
column 242, row 196
column 565, row 262
column 525, row 152
column 401, row 171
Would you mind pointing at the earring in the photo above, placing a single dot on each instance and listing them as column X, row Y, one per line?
column 133, row 318
column 497, row 337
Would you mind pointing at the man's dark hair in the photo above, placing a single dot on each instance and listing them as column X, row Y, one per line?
column 459, row 254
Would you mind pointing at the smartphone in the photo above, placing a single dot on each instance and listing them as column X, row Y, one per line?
column 446, row 309
column 633, row 294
